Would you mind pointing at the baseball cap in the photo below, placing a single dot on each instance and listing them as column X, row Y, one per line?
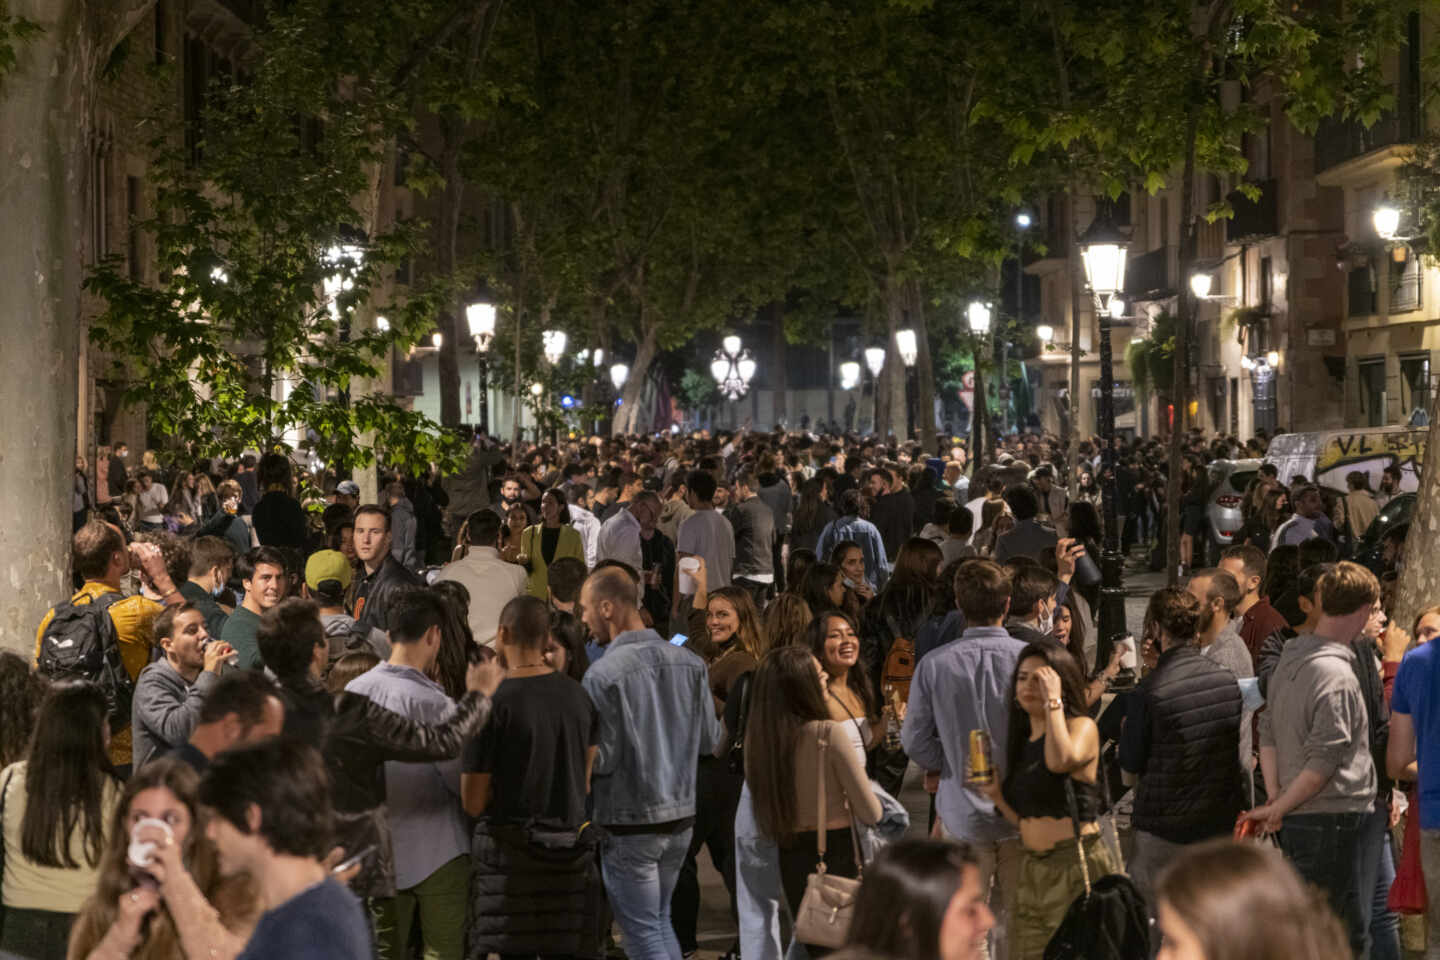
column 327, row 565
column 348, row 488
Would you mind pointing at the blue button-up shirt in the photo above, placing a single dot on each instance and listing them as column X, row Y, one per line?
column 423, row 799
column 864, row 533
column 963, row 686
column 656, row 718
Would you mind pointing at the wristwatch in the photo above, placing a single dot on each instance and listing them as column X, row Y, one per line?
column 1055, row 703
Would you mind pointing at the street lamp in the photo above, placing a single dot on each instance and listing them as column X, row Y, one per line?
column 1387, row 221
column 905, row 344
column 1022, row 220
column 480, row 316
column 909, row 350
column 618, row 373
column 1103, row 249
column 1045, row 332
column 875, row 362
column 553, row 345
column 436, row 339
column 1273, row 358
column 978, row 315
column 849, row 375
column 732, row 367
column 1200, row 285
column 1117, row 308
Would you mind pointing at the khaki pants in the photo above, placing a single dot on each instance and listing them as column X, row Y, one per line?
column 1049, row 882
column 999, row 869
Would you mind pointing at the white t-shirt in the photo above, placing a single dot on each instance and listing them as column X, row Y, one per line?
column 707, row 534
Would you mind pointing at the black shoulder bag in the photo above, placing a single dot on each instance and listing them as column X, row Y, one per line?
column 735, row 757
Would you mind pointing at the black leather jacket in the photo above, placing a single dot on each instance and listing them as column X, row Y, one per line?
column 378, row 591
column 357, row 736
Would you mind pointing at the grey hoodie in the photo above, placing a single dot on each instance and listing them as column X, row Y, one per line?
column 1315, row 719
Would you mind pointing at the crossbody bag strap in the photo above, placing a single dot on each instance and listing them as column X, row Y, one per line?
column 820, row 819
column 1110, row 808
column 1074, row 804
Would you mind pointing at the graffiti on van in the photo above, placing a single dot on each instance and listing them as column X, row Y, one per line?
column 1370, row 453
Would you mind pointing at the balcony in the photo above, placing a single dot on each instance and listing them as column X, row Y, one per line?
column 1252, row 219
column 1147, row 277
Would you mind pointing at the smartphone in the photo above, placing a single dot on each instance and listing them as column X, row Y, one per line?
column 354, row 861
column 679, row 640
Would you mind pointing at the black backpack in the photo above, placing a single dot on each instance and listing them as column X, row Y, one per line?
column 80, row 643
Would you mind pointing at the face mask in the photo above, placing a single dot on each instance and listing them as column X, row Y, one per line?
column 1047, row 620
column 123, row 454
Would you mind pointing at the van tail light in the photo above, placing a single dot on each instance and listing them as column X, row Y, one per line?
column 1227, row 533
column 1228, row 501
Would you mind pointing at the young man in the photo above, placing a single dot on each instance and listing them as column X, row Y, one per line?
column 1309, row 520
column 273, row 821
column 531, row 764
column 1220, row 642
column 1315, row 752
column 1028, row 538
column 432, row 868
column 1258, row 619
column 262, row 573
column 327, row 576
column 754, row 525
column 278, row 518
column 170, row 691
column 960, row 527
column 707, row 533
column 211, row 561
column 585, row 523
column 242, row 707
column 962, row 686
column 404, row 528
column 1180, row 738
column 1033, row 601
column 491, row 581
column 644, row 773
column 1415, row 735
column 1307, row 586
column 384, row 577
column 892, row 509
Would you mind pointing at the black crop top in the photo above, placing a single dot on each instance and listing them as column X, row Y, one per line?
column 1034, row 791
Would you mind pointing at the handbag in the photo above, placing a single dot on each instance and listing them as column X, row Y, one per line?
column 1407, row 892
column 828, row 905
column 735, row 758
column 1109, row 921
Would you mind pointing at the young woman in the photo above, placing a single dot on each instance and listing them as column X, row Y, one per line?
column 58, row 803
column 516, row 522
column 796, row 567
column 1221, row 900
column 812, row 515
column 786, row 619
column 1051, row 741
column 991, row 513
column 551, row 538
column 180, row 905
column 733, row 627
column 824, row 588
column 789, row 721
column 849, row 556
column 1069, row 632
column 835, row 642
column 565, row 649
column 455, row 638
column 21, row 691
column 922, row 900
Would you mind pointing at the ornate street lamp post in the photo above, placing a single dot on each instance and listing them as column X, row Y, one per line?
column 733, row 367
column 875, row 362
column 909, row 351
column 977, row 314
column 1103, row 248
column 481, row 318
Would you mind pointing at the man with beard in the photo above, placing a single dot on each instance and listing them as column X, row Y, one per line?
column 1389, row 486
column 1219, row 638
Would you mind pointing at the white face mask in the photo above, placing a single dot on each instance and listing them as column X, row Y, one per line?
column 1046, row 623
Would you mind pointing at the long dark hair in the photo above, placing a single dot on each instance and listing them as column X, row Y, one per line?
column 907, row 890
column 455, row 638
column 785, row 695
column 67, row 770
column 810, row 511
column 816, row 588
column 1085, row 523
column 1072, row 695
column 799, row 564
column 914, row 584
column 21, row 692
column 858, row 678
column 567, row 631
column 559, row 495
column 1075, row 642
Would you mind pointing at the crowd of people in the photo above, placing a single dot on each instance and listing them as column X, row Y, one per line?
column 505, row 713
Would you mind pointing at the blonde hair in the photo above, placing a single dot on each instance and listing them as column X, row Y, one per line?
column 1347, row 588
column 786, row 619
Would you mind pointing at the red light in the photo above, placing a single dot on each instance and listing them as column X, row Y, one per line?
column 1228, row 501
column 1227, row 533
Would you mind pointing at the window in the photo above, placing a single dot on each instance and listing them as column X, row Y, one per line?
column 1414, row 383
column 1372, row 391
column 1405, row 283
column 1362, row 292
column 99, row 197
column 1267, row 283
column 132, row 229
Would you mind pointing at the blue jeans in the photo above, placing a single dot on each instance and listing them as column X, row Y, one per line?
column 759, row 896
column 640, row 871
column 1327, row 851
column 1384, row 925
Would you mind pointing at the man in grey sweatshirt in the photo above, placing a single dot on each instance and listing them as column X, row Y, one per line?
column 1315, row 752
column 170, row 691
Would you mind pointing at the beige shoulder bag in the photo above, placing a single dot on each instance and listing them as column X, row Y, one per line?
column 823, row 919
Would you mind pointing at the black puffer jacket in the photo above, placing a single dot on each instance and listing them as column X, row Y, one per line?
column 379, row 589
column 357, row 736
column 535, row 891
column 1190, row 773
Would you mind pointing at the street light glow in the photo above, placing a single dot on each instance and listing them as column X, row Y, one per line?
column 1273, row 358
column 553, row 342
column 875, row 360
column 536, row 389
column 382, row 324
column 731, row 344
column 1045, row 332
column 481, row 318
column 618, row 373
column 907, row 347
column 1200, row 285
column 436, row 339
column 849, row 375
column 1387, row 221
column 1103, row 249
column 978, row 314
column 1117, row 308
column 1022, row 220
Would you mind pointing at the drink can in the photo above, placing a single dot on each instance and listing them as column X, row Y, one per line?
column 979, row 768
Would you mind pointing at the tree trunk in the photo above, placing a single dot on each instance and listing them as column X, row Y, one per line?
column 775, row 314
column 447, row 253
column 1419, row 585
column 894, row 366
column 1180, row 369
column 645, row 351
column 925, row 379
column 46, row 103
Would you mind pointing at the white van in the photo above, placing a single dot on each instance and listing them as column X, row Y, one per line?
column 1326, row 457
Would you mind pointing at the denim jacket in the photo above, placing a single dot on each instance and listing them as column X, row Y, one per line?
column 656, row 718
